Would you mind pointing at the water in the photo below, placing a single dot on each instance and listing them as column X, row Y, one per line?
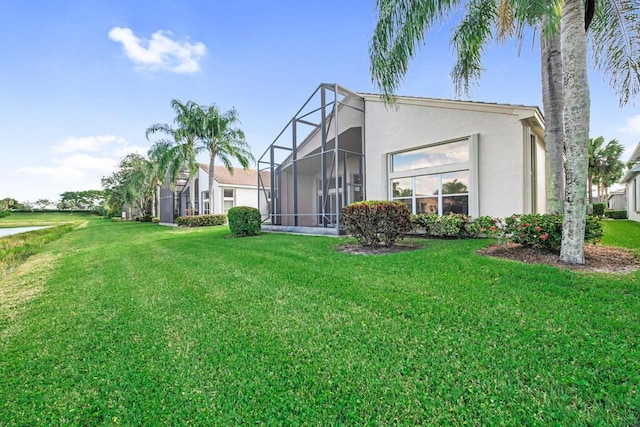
column 17, row 230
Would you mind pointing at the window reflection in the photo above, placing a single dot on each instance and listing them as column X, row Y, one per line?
column 437, row 155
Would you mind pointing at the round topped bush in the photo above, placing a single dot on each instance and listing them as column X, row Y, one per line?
column 244, row 221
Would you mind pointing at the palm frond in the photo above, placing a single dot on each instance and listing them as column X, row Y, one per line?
column 469, row 39
column 615, row 43
column 400, row 30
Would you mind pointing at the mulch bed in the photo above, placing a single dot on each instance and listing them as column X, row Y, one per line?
column 598, row 258
column 356, row 249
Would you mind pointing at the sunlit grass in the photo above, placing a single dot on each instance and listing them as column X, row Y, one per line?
column 140, row 324
column 622, row 232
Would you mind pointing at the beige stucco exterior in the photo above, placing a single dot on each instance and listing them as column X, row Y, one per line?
column 242, row 186
column 501, row 138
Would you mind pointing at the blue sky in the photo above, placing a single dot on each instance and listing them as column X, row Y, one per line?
column 81, row 80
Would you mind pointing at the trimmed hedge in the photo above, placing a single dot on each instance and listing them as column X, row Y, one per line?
column 454, row 226
column 244, row 221
column 598, row 209
column 376, row 222
column 201, row 220
column 615, row 214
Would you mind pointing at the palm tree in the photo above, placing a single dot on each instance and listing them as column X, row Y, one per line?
column 605, row 167
column 131, row 184
column 223, row 141
column 576, row 129
column 181, row 151
column 402, row 26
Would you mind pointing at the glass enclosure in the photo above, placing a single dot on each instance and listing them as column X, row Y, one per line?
column 316, row 164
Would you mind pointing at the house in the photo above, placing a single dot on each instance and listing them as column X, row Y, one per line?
column 617, row 200
column 434, row 155
column 238, row 187
column 632, row 181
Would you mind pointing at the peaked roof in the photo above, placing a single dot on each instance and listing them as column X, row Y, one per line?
column 239, row 177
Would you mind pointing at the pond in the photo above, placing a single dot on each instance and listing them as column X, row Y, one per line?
column 17, row 230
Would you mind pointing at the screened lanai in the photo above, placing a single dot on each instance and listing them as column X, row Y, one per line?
column 316, row 163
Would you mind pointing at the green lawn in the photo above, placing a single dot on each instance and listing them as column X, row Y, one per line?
column 28, row 219
column 622, row 232
column 138, row 324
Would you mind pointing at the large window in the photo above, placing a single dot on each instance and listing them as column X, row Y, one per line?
column 437, row 155
column 437, row 193
column 228, row 199
column 434, row 179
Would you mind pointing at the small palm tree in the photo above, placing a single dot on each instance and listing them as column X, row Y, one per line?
column 181, row 151
column 224, row 141
column 605, row 166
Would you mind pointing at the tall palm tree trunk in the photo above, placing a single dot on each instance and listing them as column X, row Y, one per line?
column 576, row 115
column 192, row 194
column 212, row 161
column 552, row 102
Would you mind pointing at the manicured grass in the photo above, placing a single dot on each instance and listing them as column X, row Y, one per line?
column 26, row 219
column 621, row 232
column 139, row 324
column 16, row 248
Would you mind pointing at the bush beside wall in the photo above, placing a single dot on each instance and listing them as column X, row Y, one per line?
column 598, row 209
column 201, row 220
column 615, row 214
column 244, row 221
column 374, row 222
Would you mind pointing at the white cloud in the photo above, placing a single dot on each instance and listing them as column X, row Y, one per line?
column 161, row 52
column 86, row 162
column 89, row 144
column 632, row 125
column 80, row 164
column 63, row 173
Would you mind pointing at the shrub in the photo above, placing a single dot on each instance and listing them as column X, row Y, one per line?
column 201, row 220
column 374, row 222
column 155, row 220
column 598, row 209
column 244, row 221
column 427, row 222
column 116, row 219
column 450, row 225
column 488, row 226
column 545, row 231
column 615, row 214
column 455, row 225
column 4, row 214
column 146, row 218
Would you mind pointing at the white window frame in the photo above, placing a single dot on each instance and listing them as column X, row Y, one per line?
column 206, row 209
column 231, row 199
column 471, row 166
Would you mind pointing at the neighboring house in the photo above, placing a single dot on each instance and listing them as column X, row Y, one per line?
column 632, row 181
column 617, row 200
column 239, row 188
column 435, row 155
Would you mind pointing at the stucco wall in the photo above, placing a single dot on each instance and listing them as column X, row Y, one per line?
column 417, row 123
column 347, row 118
column 632, row 194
